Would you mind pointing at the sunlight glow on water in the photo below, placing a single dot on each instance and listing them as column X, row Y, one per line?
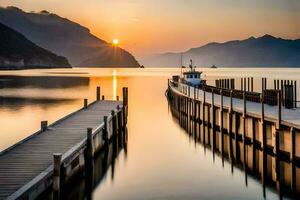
column 162, row 162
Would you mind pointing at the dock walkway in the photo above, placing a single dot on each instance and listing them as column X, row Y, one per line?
column 29, row 164
column 289, row 117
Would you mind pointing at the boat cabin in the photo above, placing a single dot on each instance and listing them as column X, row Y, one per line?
column 192, row 74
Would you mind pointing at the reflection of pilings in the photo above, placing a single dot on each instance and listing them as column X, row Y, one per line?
column 237, row 148
column 200, row 122
column 264, row 172
column 195, row 117
column 208, row 124
column 264, row 144
column 292, row 155
column 248, row 131
column 253, row 141
column 230, row 128
column 114, row 141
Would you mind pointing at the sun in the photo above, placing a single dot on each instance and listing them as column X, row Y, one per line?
column 115, row 42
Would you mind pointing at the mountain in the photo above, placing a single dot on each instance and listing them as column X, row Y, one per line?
column 66, row 38
column 17, row 52
column 265, row 51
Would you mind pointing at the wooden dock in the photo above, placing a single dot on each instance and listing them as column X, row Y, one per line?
column 58, row 151
column 230, row 125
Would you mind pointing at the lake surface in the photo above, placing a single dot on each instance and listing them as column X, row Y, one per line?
column 161, row 160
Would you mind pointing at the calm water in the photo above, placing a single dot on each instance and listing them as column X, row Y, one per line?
column 161, row 160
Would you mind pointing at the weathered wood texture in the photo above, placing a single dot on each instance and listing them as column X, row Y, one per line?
column 28, row 159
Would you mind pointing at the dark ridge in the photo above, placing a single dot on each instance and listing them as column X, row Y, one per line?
column 66, row 38
column 17, row 52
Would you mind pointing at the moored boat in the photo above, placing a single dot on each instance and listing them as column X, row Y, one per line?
column 192, row 77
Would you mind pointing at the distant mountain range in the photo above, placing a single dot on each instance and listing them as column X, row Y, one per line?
column 265, row 51
column 17, row 52
column 66, row 38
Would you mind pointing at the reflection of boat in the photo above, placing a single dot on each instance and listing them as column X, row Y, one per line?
column 192, row 77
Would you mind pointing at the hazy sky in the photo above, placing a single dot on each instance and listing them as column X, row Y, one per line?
column 151, row 26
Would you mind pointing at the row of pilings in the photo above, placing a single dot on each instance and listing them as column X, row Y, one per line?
column 288, row 88
column 262, row 148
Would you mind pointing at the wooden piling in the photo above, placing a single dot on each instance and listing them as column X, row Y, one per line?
column 89, row 160
column 89, row 152
column 105, row 130
column 125, row 96
column 251, row 84
column 295, row 93
column 262, row 123
column 199, row 117
column 188, row 114
column 213, row 121
column 253, row 144
column 119, row 120
column 230, row 126
column 276, row 145
column 195, row 112
column 85, row 103
column 262, row 85
column 248, row 83
column 56, row 175
column 98, row 93
column 179, row 109
column 222, row 123
column 203, row 116
column 279, row 110
column 242, row 84
column 237, row 122
column 103, row 97
column 265, row 83
column 244, row 119
column 89, row 145
column 208, row 124
column 114, row 122
column 44, row 125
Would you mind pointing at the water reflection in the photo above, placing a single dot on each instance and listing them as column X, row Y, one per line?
column 83, row 184
column 162, row 161
column 41, row 82
column 274, row 172
column 14, row 103
column 115, row 84
column 104, row 167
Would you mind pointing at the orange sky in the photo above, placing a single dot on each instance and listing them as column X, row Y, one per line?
column 152, row 26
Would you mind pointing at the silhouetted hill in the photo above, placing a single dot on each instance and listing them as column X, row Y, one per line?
column 17, row 52
column 265, row 51
column 66, row 38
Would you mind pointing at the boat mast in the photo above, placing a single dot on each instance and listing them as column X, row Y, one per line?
column 181, row 63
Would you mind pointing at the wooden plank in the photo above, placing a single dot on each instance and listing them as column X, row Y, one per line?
column 26, row 160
